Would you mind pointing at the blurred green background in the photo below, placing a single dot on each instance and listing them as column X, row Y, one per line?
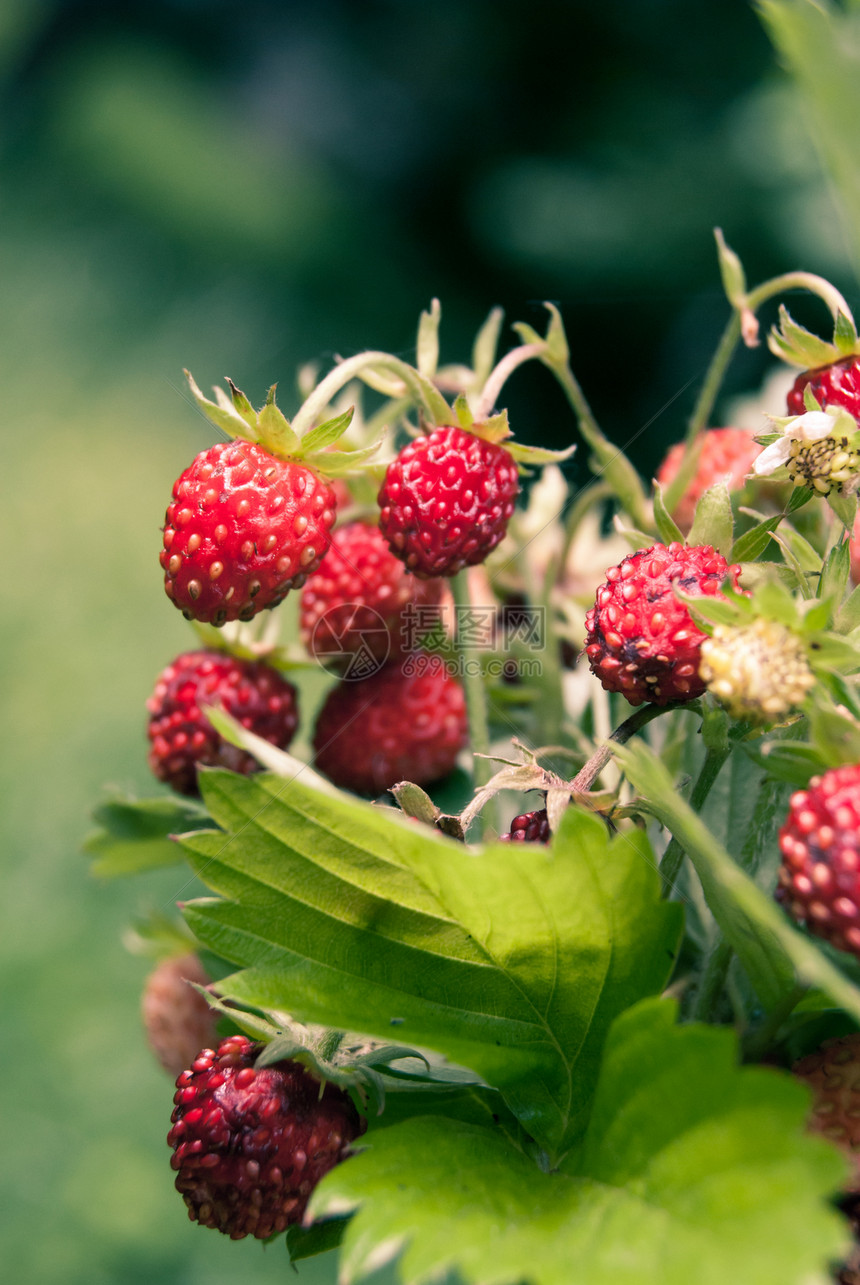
column 241, row 188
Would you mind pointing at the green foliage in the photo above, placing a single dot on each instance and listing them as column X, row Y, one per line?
column 665, row 1187
column 509, row 961
column 134, row 835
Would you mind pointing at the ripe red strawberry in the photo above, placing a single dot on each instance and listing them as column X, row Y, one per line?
column 446, row 501
column 833, row 1075
column 182, row 737
column 402, row 724
column 355, row 602
column 529, row 827
column 641, row 639
column 243, row 528
column 176, row 1017
column 819, row 880
column 726, row 456
column 837, row 384
column 250, row 1145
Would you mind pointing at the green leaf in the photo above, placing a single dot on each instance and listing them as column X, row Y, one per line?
column 134, row 835
column 317, row 439
column 318, row 1238
column 691, row 1170
column 538, row 455
column 771, row 951
column 667, row 529
column 753, row 543
column 714, row 521
column 511, row 962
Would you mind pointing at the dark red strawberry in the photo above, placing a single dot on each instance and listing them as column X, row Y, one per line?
column 243, row 528
column 819, row 881
column 361, row 600
column 249, row 1146
column 641, row 639
column 182, row 737
column 446, row 501
column 529, row 827
column 405, row 723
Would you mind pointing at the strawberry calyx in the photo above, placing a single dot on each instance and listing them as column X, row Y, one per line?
column 793, row 344
column 369, row 1069
column 271, row 429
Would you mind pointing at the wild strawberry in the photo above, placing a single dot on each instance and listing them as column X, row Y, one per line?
column 529, row 827
column 244, row 527
column 405, row 723
column 249, row 1145
column 446, row 501
column 726, row 455
column 176, row 1017
column 833, row 1075
column 837, row 384
column 359, row 602
column 759, row 671
column 182, row 737
column 819, row 880
column 641, row 640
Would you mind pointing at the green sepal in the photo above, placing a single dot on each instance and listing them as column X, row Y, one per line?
column 462, row 410
column 848, row 616
column 753, row 543
column 317, row 439
column 427, row 344
column 223, row 413
column 845, row 335
column 845, row 508
column 241, row 403
column 485, row 346
column 342, row 463
column 274, row 429
column 537, row 455
column 797, row 346
column 495, row 429
column 731, row 271
column 667, row 529
column 799, row 496
column 713, row 523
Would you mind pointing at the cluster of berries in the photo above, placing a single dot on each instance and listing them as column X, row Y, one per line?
column 246, row 525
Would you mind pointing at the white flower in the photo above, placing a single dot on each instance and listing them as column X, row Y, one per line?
column 811, row 427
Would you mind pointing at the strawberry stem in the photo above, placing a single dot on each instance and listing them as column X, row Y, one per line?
column 588, row 774
column 501, row 373
column 421, row 390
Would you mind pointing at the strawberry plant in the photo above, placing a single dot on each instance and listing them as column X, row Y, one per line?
column 527, row 962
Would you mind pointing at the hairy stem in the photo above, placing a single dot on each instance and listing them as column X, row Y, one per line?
column 499, row 376
column 588, row 774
